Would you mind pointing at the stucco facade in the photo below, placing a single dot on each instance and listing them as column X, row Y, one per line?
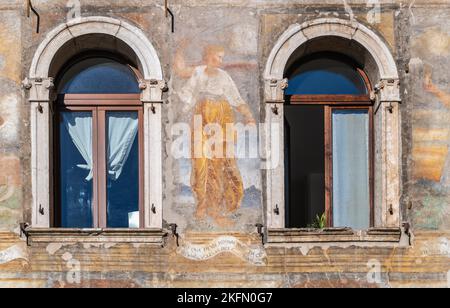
column 405, row 49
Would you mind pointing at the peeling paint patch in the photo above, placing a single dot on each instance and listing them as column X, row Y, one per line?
column 99, row 245
column 53, row 248
column 9, row 121
column 433, row 41
column 306, row 248
column 15, row 252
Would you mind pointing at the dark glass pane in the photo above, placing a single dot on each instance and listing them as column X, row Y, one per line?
column 305, row 164
column 326, row 76
column 99, row 76
column 75, row 169
column 123, row 169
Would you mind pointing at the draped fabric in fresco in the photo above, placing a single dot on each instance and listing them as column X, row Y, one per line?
column 212, row 97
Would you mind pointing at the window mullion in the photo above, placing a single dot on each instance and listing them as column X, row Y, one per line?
column 101, row 168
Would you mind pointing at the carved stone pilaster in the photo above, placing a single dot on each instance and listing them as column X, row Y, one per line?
column 388, row 90
column 40, row 89
column 152, row 90
column 274, row 90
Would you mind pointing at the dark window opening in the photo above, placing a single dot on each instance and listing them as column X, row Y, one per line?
column 328, row 144
column 305, row 144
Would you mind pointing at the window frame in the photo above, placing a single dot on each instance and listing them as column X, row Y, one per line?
column 343, row 102
column 99, row 105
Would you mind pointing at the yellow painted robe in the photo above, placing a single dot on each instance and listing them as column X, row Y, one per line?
column 216, row 182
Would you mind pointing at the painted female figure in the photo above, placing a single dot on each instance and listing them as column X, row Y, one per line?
column 212, row 94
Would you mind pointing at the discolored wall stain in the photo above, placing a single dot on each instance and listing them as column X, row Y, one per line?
column 10, row 38
column 10, row 192
column 431, row 133
column 9, row 119
column 432, row 41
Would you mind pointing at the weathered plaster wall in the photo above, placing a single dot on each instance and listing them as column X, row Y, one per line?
column 13, row 123
column 418, row 34
column 429, row 119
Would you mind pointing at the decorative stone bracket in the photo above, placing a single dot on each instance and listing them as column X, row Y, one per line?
column 388, row 90
column 152, row 90
column 40, row 89
column 274, row 90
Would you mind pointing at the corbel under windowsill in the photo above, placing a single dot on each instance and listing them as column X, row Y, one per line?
column 153, row 237
column 334, row 235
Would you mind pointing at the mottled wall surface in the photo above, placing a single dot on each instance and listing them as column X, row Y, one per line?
column 430, row 110
column 12, row 121
column 244, row 33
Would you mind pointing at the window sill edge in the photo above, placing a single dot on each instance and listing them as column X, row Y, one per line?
column 133, row 236
column 333, row 235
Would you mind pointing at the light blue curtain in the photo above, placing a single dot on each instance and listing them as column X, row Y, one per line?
column 122, row 130
column 351, row 192
column 79, row 126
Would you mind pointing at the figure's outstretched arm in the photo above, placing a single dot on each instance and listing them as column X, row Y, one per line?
column 180, row 67
column 244, row 109
column 432, row 88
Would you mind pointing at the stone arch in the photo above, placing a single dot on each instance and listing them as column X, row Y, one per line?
column 130, row 35
column 380, row 59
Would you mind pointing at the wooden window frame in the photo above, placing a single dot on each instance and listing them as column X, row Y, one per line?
column 99, row 105
column 343, row 102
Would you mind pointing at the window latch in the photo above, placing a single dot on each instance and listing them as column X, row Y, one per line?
column 407, row 230
column 276, row 210
column 259, row 228
column 173, row 228
column 153, row 209
column 24, row 231
column 390, row 108
column 41, row 210
column 275, row 109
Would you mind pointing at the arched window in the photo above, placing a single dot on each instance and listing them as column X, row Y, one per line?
column 99, row 145
column 328, row 143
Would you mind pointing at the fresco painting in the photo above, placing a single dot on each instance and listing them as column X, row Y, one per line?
column 431, row 133
column 430, row 148
column 215, row 86
column 211, row 96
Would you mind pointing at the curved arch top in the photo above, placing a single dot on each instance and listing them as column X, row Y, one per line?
column 127, row 33
column 298, row 34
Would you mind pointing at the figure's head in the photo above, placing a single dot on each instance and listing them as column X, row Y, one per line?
column 213, row 55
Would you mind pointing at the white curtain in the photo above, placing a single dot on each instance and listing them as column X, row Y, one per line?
column 79, row 126
column 351, row 193
column 122, row 131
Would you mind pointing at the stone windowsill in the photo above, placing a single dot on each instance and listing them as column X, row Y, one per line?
column 333, row 235
column 134, row 236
